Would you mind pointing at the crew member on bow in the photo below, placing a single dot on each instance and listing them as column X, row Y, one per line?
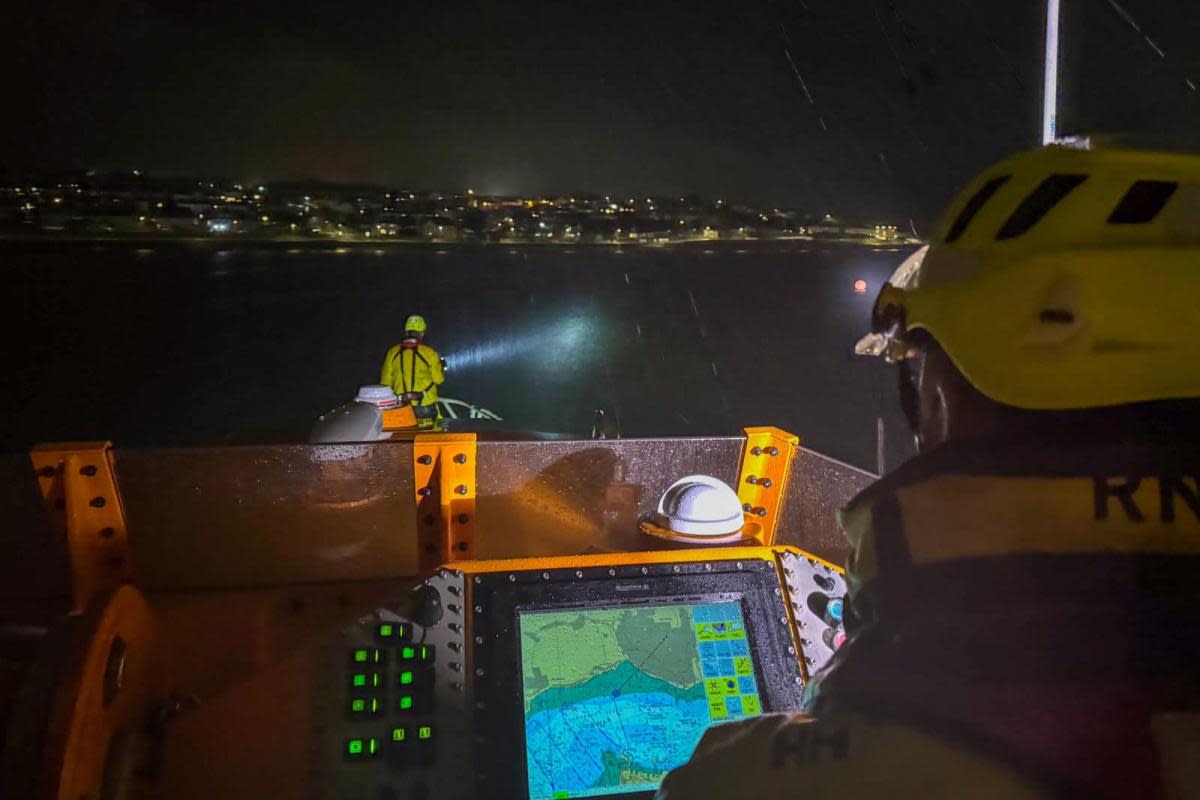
column 413, row 369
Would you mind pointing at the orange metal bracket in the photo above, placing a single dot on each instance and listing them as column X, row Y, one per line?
column 766, row 462
column 112, row 681
column 77, row 484
column 444, row 482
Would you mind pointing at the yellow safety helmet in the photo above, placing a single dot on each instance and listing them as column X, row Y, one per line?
column 1063, row 278
column 415, row 323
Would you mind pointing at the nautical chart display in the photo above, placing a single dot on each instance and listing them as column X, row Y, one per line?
column 614, row 698
column 597, row 681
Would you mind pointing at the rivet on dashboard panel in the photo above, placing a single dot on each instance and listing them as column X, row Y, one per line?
column 479, row 673
column 756, row 451
column 478, row 609
column 645, row 571
column 783, row 620
column 545, row 576
column 708, row 567
column 675, row 568
column 424, row 459
column 739, row 565
column 424, row 491
column 454, row 626
column 751, row 479
column 747, row 507
column 791, row 650
column 578, row 573
column 773, row 451
column 460, row 489
column 512, row 578
column 612, row 572
column 478, row 640
column 478, row 579
column 777, row 592
column 766, row 483
column 453, row 609
column 461, row 458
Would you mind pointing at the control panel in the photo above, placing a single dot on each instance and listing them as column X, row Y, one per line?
column 569, row 677
column 817, row 591
column 392, row 704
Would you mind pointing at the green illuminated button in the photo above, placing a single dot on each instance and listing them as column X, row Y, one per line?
column 362, row 749
column 391, row 631
column 366, row 656
column 425, row 732
column 364, row 706
column 399, row 734
column 406, row 677
column 366, row 680
column 417, row 652
column 405, row 703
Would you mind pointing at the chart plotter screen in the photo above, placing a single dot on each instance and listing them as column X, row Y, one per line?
column 616, row 697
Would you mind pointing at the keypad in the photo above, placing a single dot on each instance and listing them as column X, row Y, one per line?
column 390, row 693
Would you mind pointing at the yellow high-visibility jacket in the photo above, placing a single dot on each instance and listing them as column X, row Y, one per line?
column 935, row 546
column 416, row 369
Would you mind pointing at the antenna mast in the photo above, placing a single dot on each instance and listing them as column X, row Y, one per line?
column 1050, row 97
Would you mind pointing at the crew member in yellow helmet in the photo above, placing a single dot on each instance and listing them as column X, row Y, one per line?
column 414, row 369
column 1024, row 594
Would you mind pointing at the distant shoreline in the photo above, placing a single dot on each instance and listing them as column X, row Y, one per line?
column 362, row 242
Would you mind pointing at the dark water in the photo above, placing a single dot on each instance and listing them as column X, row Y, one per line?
column 198, row 344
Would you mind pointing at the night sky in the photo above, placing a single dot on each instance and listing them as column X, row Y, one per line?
column 909, row 98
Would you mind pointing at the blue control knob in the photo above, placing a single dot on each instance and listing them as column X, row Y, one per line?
column 834, row 609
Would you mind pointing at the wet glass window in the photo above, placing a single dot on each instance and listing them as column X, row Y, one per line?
column 1142, row 202
column 1046, row 196
column 974, row 206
